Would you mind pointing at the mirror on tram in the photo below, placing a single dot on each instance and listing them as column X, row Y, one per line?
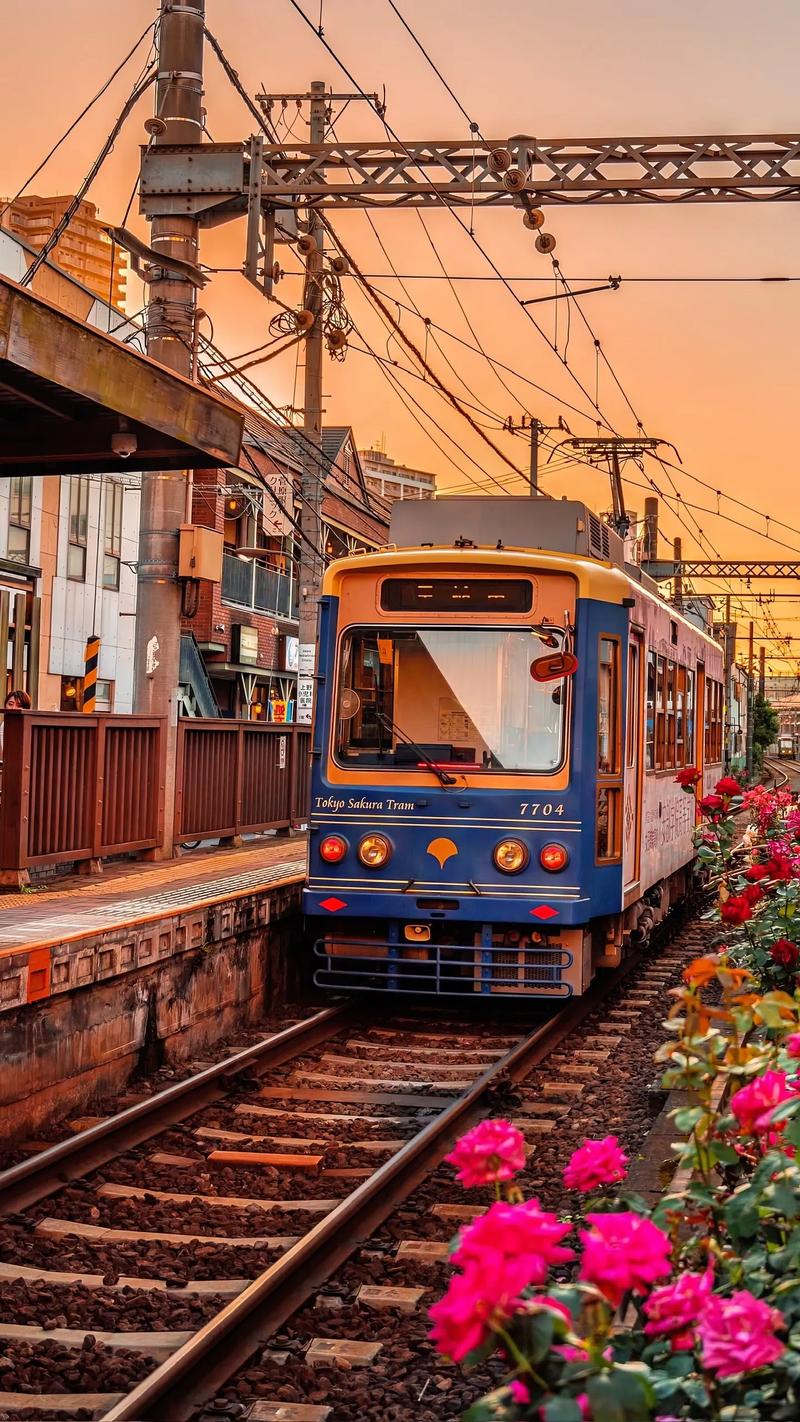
column 554, row 667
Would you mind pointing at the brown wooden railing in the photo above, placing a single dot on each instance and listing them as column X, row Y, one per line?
column 239, row 777
column 78, row 787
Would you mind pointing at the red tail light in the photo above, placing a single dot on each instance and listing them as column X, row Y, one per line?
column 553, row 857
column 332, row 849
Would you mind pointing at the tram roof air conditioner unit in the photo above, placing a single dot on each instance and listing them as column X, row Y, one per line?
column 552, row 525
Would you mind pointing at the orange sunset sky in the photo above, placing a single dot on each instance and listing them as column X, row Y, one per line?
column 711, row 367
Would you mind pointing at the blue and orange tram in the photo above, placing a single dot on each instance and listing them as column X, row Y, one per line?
column 502, row 706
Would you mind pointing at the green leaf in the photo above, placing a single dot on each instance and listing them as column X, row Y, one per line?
column 535, row 1334
column 686, row 1118
column 603, row 1400
column 562, row 1409
column 724, row 1154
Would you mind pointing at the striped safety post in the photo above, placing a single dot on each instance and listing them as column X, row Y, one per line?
column 90, row 660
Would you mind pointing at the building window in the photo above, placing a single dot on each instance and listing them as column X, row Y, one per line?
column 78, row 528
column 104, row 696
column 113, row 543
column 19, row 519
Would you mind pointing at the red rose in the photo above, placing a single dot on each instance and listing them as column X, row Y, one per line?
column 688, row 778
column 756, row 872
column 728, row 786
column 710, row 804
column 779, row 866
column 785, row 952
column 736, row 909
column 753, row 893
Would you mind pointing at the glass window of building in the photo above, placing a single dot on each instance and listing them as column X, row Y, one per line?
column 19, row 518
column 113, row 533
column 78, row 527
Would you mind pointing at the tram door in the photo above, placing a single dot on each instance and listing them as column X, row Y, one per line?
column 634, row 749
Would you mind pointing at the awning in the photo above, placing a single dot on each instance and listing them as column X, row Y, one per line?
column 67, row 388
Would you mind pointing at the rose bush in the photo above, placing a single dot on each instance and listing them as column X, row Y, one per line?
column 690, row 1310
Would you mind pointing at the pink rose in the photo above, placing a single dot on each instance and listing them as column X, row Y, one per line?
column 524, row 1231
column 674, row 1308
column 483, row 1297
column 520, row 1393
column 623, row 1251
column 596, row 1163
column 738, row 1334
column 754, row 1104
column 792, row 1044
column 491, row 1151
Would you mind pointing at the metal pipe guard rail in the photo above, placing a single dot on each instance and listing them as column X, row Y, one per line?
column 78, row 788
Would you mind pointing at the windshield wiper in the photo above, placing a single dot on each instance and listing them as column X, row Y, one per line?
column 441, row 775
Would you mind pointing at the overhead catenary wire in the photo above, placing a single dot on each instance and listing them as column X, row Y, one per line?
column 416, row 353
column 152, row 28
column 64, row 222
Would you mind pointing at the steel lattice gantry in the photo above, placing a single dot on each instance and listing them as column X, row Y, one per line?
column 215, row 179
column 720, row 568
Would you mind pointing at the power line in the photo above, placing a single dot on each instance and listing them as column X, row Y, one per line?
column 69, row 212
column 151, row 28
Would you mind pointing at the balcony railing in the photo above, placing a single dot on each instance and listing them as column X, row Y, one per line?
column 247, row 583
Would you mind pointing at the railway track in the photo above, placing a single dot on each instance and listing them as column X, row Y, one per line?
column 152, row 1255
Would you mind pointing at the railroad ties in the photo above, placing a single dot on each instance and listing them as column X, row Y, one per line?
column 114, row 1272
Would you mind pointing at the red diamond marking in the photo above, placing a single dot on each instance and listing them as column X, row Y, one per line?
column 332, row 905
column 544, row 911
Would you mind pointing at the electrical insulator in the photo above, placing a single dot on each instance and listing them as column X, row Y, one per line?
column 514, row 180
column 534, row 218
column 545, row 242
column 339, row 266
column 500, row 160
column 337, row 339
column 304, row 320
column 276, row 271
column 306, row 245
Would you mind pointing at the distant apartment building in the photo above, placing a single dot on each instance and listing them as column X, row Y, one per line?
column 85, row 251
column 68, row 547
column 395, row 481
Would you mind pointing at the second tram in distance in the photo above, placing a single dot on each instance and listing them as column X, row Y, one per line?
column 502, row 707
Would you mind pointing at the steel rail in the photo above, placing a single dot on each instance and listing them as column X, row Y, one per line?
column 193, row 1374
column 47, row 1171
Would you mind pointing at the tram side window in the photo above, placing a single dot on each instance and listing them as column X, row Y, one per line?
column 608, row 707
column 650, row 730
column 631, row 742
column 670, row 714
column 714, row 703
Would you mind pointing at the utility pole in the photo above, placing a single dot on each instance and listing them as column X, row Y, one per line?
column 170, row 340
column 750, row 702
column 311, row 482
column 677, row 556
column 535, row 432
column 650, row 549
column 762, row 670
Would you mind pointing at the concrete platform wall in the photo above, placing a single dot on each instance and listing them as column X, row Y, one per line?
column 151, row 992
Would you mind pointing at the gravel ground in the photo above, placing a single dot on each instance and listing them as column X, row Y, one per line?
column 409, row 1381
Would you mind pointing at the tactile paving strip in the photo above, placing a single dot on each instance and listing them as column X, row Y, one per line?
column 81, row 921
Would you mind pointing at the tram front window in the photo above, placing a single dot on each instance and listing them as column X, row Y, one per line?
column 461, row 697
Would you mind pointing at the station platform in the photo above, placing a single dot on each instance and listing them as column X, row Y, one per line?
column 145, row 962
column 130, row 893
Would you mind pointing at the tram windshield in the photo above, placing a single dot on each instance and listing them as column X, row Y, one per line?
column 462, row 698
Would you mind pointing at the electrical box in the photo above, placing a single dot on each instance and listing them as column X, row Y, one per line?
column 200, row 553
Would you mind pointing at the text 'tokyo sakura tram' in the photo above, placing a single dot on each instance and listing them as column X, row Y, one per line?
column 502, row 706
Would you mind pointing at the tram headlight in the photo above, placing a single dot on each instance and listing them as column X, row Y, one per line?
column 332, row 849
column 374, row 851
column 510, row 856
column 553, row 858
